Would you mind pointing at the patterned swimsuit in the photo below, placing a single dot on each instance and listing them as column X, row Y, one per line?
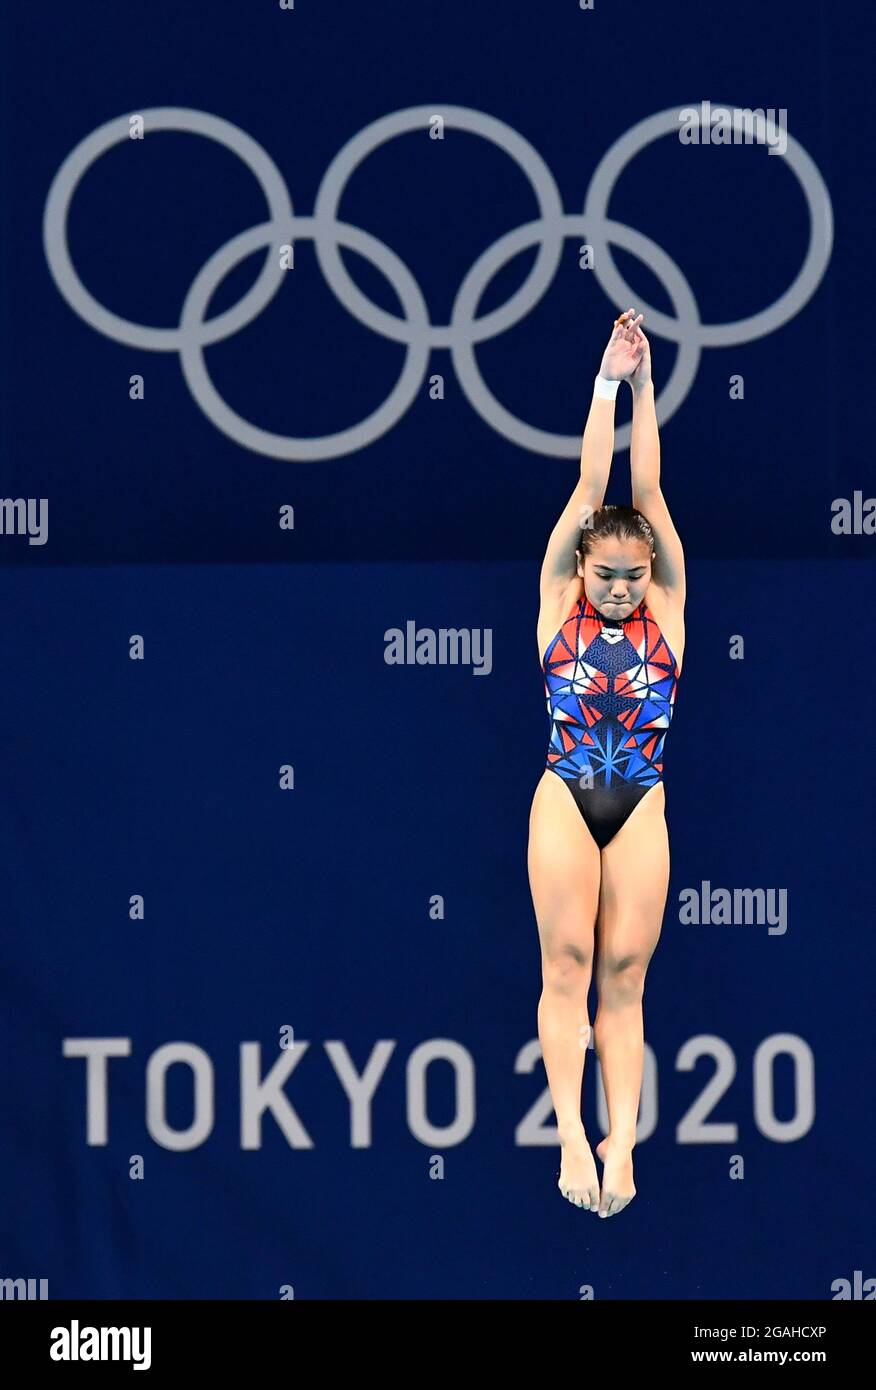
column 610, row 687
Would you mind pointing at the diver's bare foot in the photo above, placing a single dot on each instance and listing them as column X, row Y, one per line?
column 579, row 1180
column 618, row 1188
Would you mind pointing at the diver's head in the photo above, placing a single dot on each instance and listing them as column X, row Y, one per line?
column 614, row 559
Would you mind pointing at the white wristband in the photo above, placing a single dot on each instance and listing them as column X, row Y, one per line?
column 606, row 390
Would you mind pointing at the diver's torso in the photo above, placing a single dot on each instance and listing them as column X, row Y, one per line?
column 610, row 688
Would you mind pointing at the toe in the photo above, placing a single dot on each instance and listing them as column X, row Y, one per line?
column 618, row 1204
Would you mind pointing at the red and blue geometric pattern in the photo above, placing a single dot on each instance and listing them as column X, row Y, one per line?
column 610, row 690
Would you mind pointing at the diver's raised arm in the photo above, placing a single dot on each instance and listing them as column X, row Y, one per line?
column 619, row 360
column 668, row 567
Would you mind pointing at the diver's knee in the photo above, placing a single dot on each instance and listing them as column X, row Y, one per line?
column 622, row 979
column 567, row 969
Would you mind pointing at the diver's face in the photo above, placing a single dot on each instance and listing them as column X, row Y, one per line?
column 616, row 574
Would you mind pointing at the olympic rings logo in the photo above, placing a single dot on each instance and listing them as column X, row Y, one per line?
column 548, row 231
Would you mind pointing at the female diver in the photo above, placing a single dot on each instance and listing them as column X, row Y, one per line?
column 611, row 638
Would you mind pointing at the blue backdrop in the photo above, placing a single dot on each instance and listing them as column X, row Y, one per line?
column 406, row 1148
